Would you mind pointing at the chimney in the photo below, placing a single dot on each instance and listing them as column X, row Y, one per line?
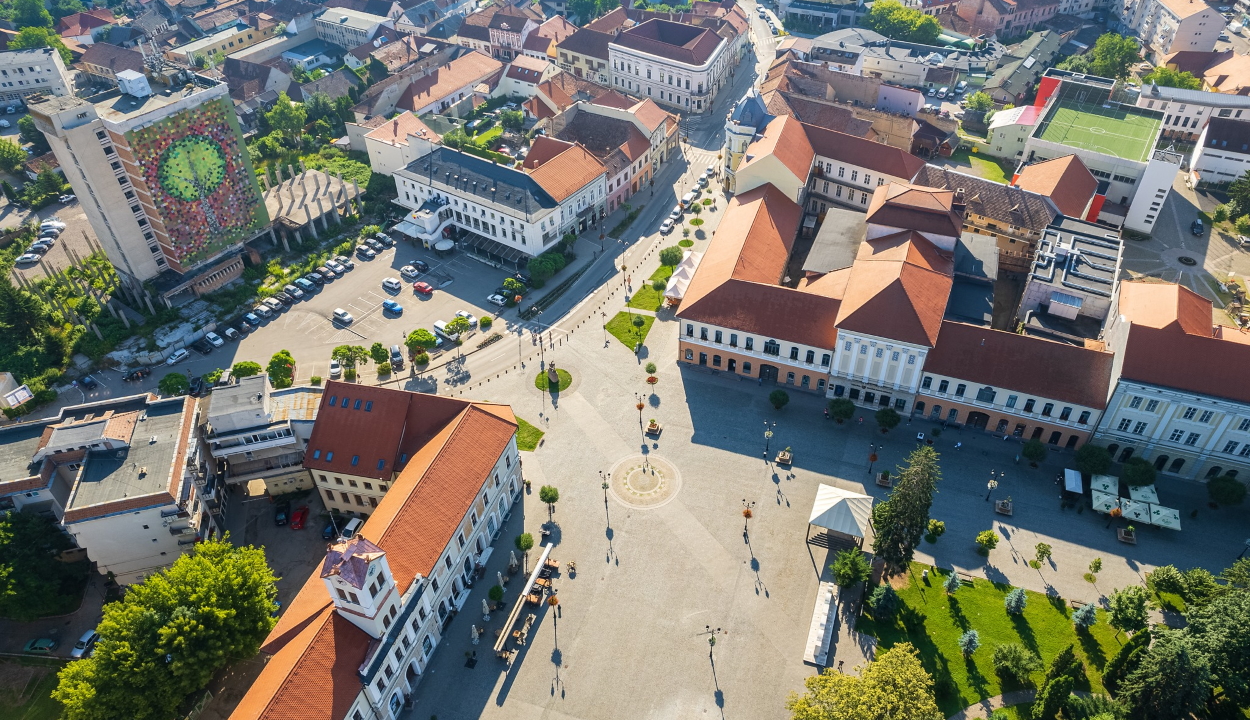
column 959, row 204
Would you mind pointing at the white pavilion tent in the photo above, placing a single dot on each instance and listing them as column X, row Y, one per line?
column 841, row 511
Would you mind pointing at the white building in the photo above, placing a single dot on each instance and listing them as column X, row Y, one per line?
column 1169, row 26
column 350, row 28
column 676, row 65
column 1186, row 112
column 24, row 72
column 1222, row 152
column 260, row 433
column 399, row 141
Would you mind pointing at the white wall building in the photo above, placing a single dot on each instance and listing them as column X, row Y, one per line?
column 350, row 28
column 1168, row 26
column 1186, row 112
column 676, row 65
column 24, row 72
column 1222, row 154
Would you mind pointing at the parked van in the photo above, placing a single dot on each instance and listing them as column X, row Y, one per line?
column 224, row 380
column 397, row 358
column 440, row 327
column 351, row 528
column 688, row 199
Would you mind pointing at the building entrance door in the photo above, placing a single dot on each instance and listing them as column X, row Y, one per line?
column 978, row 420
column 768, row 373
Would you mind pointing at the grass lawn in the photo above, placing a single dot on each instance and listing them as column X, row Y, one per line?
column 622, row 329
column 540, row 381
column 983, row 166
column 27, row 696
column 647, row 297
column 527, row 436
column 932, row 621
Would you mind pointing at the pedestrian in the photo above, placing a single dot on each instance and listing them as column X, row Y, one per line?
column 840, row 665
column 861, row 419
column 958, row 445
column 1017, row 459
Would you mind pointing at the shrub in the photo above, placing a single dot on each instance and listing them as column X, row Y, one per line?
column 969, row 642
column 1015, row 661
column 1138, row 471
column 1093, row 459
column 1092, row 707
column 778, row 398
column 650, row 368
column 987, row 540
column 849, row 567
column 658, row 285
column 1243, row 224
column 935, row 530
column 1226, row 490
column 1221, row 213
column 887, row 419
column 315, row 380
column 952, row 583
column 245, row 368
column 671, row 255
column 1085, row 616
column 496, row 593
column 422, row 359
column 1166, row 579
column 485, row 322
column 1015, row 601
column 349, row 374
column 884, row 602
column 1042, row 551
column 1034, row 451
column 841, row 409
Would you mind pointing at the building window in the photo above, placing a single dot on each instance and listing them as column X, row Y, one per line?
column 717, row 336
column 1065, row 413
column 1011, row 401
column 746, row 368
column 1177, row 435
column 942, row 386
column 772, row 347
column 1189, row 413
column 1139, row 428
column 733, row 339
column 1230, row 446
column 716, row 361
column 1047, row 409
column 927, row 382
column 750, row 343
column 689, row 354
column 1124, row 425
column 1135, row 402
column 703, row 333
column 986, row 395
column 1084, row 418
column 794, row 353
column 1206, row 416
column 1028, row 405
column 689, row 330
column 960, row 389
column 825, row 359
column 1244, row 425
column 1193, row 439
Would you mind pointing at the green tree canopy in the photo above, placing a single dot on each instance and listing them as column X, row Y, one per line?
column 245, row 368
column 850, row 567
column 1226, row 490
column 32, row 135
column 887, row 419
column 1168, row 77
column 1128, row 608
column 169, row 634
column 350, row 355
column 1221, row 632
column 1113, row 55
column 1093, row 459
column 550, row 495
column 288, row 117
column 1075, row 63
column 893, row 20
column 173, row 384
column 282, row 369
column 32, row 581
column 420, row 339
column 11, row 155
column 1138, row 471
column 979, row 101
column 671, row 256
column 903, row 517
column 779, row 398
column 37, row 37
column 893, row 687
column 1124, row 661
column 841, row 409
column 1034, row 451
column 1172, row 680
column 31, row 14
column 379, row 353
column 512, row 119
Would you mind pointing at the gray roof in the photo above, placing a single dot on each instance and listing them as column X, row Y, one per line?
column 1004, row 203
column 845, row 44
column 472, row 175
column 1078, row 255
column 116, row 474
column 750, row 110
column 1195, row 97
column 18, row 444
column 837, row 242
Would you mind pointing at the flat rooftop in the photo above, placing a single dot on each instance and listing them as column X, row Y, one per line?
column 18, row 445
column 1077, row 255
column 116, row 474
column 117, row 107
column 1121, row 131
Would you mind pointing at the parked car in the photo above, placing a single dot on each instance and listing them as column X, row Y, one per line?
column 263, row 310
column 244, row 326
column 64, row 199
column 391, row 285
column 676, row 214
column 342, row 316
column 299, row 517
column 344, row 261
column 366, row 253
column 85, row 644
column 305, row 284
column 408, row 272
column 52, row 223
column 285, row 300
column 274, row 304
column 440, row 328
column 293, row 291
column 703, row 181
column 373, row 243
column 423, row 288
column 252, row 320
column 386, row 240
column 336, row 267
column 232, row 334
column 202, row 346
column 197, row 386
column 391, row 306
column 215, row 339
column 136, row 375
column 932, row 92
column 29, row 258
column 326, row 273
column 397, row 357
column 41, row 646
column 499, row 300
column 330, row 531
column 421, row 265
column 336, row 370
column 315, row 278
column 281, row 513
column 1197, row 227
column 961, row 86
column 666, row 227
column 177, row 356
column 88, row 383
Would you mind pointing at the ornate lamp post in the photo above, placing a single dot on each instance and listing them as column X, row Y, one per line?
column 747, row 512
column 640, row 406
column 995, row 476
column 711, row 637
column 872, row 456
column 768, row 435
column 605, row 477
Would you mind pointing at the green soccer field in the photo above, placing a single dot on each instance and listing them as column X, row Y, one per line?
column 1123, row 133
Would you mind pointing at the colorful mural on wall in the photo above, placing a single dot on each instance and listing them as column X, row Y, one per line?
column 201, row 179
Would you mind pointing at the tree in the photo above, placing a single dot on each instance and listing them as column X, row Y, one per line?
column 288, row 117
column 883, row 601
column 1220, row 630
column 550, row 495
column 1034, row 451
column 317, row 106
column 1128, row 608
column 1015, row 601
column 1075, row 63
column 512, row 120
column 987, row 540
column 379, row 353
column 1226, row 490
column 1168, row 77
column 850, row 567
column 169, row 635
column 1092, row 459
column 893, row 687
column 1172, row 680
column 1238, row 575
column 420, row 340
column 282, row 369
column 1085, row 616
column 350, row 355
column 671, row 256
column 495, row 593
column 1015, row 661
column 1043, row 551
column 1138, row 471
column 458, row 326
column 245, row 368
column 36, row 37
column 30, row 14
column 32, row 581
column 32, row 135
column 1124, row 661
column 524, row 542
column 779, row 398
column 887, row 419
column 1113, row 55
column 174, row 384
column 969, row 642
column 893, row 20
column 514, row 286
column 1052, row 696
column 902, row 518
column 11, row 155
column 952, row 583
column 841, row 409
column 979, row 101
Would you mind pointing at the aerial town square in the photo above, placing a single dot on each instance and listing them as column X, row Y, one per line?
column 585, row 359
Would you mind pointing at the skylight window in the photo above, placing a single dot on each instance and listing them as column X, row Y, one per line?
column 355, row 459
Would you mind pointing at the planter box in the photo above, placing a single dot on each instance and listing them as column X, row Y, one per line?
column 1002, row 507
column 655, row 429
column 785, row 458
column 1125, row 536
column 884, row 480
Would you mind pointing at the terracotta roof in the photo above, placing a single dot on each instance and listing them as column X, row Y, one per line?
column 83, row 23
column 1165, row 306
column 604, row 135
column 542, row 149
column 898, row 289
column 567, row 173
column 350, row 561
column 1022, row 363
column 736, row 282
column 588, row 42
column 819, row 114
column 678, row 42
column 610, row 22
column 369, row 432
column 527, row 69
column 397, row 130
column 1004, row 203
column 614, row 99
column 113, row 58
column 785, row 139
column 1065, row 180
column 854, row 150
column 466, row 70
column 912, row 207
column 551, row 32
column 650, row 114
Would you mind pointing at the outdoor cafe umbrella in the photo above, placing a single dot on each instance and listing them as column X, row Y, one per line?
column 1133, row 510
column 1144, row 493
column 1104, row 502
column 1165, row 517
column 499, row 577
column 485, row 610
column 512, row 563
column 474, row 633
column 1105, row 483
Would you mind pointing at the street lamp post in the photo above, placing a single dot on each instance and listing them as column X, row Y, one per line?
column 872, row 456
column 993, row 483
column 747, row 511
column 640, row 406
column 711, row 637
column 605, row 328
column 768, row 435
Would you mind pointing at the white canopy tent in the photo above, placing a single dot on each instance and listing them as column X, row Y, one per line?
column 841, row 511
column 682, row 274
column 1072, row 480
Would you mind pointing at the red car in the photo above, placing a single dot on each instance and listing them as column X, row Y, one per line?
column 423, row 288
column 298, row 518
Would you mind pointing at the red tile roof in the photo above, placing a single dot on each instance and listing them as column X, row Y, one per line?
column 865, row 153
column 913, row 207
column 84, row 22
column 898, row 288
column 1022, row 363
column 465, row 71
column 1165, row 306
column 679, row 42
column 784, row 139
column 567, row 173
column 543, row 149
column 1065, row 180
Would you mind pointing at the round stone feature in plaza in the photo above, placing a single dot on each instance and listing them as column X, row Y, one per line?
column 645, row 481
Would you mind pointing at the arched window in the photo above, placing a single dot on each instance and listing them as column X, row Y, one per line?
column 772, row 347
column 1214, row 471
column 936, row 412
column 1112, row 448
column 1177, row 464
column 1161, row 461
column 986, row 395
column 1128, row 453
column 919, row 409
column 1231, row 473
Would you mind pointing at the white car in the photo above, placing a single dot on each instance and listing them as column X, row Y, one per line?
column 676, row 214
column 497, row 300
column 342, row 316
column 29, row 258
column 293, row 292
column 408, row 272
column 68, row 198
column 467, row 316
column 391, row 285
column 215, row 339
column 666, row 227
column 55, row 224
column 179, row 355
column 336, row 370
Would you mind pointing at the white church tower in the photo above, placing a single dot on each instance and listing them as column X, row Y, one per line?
column 359, row 581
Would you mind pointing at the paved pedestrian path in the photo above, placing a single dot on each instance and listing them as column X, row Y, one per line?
column 989, row 705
